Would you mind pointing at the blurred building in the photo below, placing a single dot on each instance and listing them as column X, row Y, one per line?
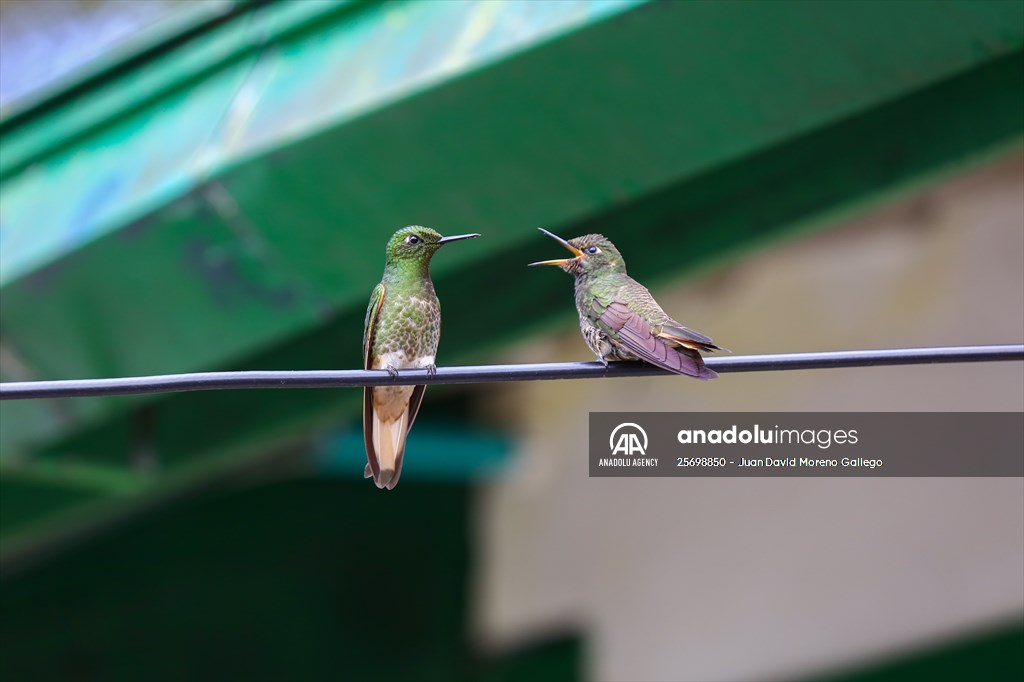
column 735, row 579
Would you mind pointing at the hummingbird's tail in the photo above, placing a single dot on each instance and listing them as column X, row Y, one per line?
column 389, row 446
column 387, row 418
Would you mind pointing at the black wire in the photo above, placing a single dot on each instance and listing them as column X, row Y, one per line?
column 208, row 381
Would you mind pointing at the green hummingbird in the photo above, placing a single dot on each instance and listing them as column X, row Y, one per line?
column 619, row 319
column 402, row 328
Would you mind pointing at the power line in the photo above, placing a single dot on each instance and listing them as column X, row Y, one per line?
column 208, row 381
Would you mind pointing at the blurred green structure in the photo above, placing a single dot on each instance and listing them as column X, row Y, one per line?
column 220, row 199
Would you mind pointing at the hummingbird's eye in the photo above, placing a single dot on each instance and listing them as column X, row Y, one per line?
column 412, row 239
column 591, row 250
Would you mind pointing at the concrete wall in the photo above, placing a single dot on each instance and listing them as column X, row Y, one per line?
column 720, row 579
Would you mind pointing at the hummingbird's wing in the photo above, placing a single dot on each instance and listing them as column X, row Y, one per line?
column 369, row 332
column 370, row 323
column 632, row 331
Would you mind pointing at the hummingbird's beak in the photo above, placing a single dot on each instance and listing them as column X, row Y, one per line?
column 560, row 261
column 457, row 237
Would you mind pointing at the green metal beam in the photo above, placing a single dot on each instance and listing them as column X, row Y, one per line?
column 138, row 139
column 149, row 260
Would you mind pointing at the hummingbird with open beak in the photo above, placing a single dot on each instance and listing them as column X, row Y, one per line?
column 402, row 328
column 619, row 319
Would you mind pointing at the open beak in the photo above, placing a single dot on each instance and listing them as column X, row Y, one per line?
column 457, row 237
column 560, row 261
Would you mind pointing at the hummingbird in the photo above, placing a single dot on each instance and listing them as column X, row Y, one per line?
column 619, row 319
column 401, row 331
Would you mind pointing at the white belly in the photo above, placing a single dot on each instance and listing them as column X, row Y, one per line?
column 391, row 402
column 399, row 360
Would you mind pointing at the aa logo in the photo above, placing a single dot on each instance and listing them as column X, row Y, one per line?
column 628, row 439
